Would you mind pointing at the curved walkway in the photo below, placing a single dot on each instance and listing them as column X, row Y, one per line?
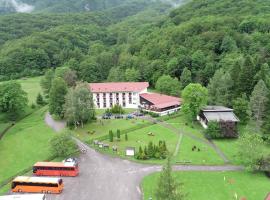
column 55, row 125
column 103, row 177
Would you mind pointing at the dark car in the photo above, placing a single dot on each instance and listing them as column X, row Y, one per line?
column 129, row 116
column 106, row 116
column 118, row 117
column 138, row 114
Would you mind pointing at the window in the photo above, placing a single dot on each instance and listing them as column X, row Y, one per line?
column 104, row 105
column 98, row 105
column 124, row 104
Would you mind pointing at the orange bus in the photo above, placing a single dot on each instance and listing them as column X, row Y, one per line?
column 56, row 169
column 37, row 185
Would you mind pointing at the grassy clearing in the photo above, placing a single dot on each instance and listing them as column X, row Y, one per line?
column 141, row 138
column 215, row 185
column 102, row 127
column 186, row 127
column 24, row 144
column 206, row 155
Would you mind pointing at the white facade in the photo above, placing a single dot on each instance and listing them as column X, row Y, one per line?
column 125, row 99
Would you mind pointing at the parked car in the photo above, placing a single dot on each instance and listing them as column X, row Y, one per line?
column 138, row 114
column 71, row 160
column 106, row 116
column 129, row 116
column 118, row 116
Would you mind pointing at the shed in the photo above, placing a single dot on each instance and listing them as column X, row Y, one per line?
column 223, row 115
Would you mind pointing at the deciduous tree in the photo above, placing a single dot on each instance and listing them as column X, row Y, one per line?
column 13, row 100
column 57, row 97
column 195, row 97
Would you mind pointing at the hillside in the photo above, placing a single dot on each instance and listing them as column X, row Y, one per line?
column 67, row 6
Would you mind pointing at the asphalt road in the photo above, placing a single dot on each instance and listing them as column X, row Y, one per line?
column 104, row 178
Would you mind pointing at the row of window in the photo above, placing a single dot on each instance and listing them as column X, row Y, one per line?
column 54, row 168
column 14, row 184
column 117, row 94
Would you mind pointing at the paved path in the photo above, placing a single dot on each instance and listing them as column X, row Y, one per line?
column 55, row 125
column 103, row 177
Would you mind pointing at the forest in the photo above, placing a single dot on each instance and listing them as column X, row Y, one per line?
column 222, row 44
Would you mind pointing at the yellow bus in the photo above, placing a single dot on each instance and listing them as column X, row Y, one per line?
column 37, row 185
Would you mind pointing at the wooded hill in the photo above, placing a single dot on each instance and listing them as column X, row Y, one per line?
column 222, row 44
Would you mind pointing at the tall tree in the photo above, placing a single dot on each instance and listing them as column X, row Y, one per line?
column 13, row 100
column 57, row 97
column 246, row 76
column 258, row 102
column 46, row 82
column 242, row 109
column 195, row 97
column 168, row 85
column 185, row 78
column 228, row 44
column 220, row 88
column 168, row 187
column 79, row 107
column 132, row 75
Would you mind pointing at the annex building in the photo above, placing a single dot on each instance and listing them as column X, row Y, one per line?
column 132, row 95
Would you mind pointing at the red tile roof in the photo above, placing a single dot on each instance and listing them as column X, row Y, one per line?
column 161, row 100
column 119, row 87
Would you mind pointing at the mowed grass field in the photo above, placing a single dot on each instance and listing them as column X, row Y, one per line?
column 215, row 185
column 141, row 138
column 24, row 144
column 102, row 127
column 203, row 154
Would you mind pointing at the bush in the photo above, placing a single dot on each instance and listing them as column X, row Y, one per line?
column 117, row 109
column 153, row 151
column 62, row 145
column 118, row 134
column 111, row 136
column 213, row 131
column 40, row 101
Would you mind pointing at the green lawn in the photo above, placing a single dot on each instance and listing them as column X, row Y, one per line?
column 141, row 138
column 102, row 127
column 32, row 87
column 24, row 144
column 206, row 155
column 215, row 185
column 188, row 128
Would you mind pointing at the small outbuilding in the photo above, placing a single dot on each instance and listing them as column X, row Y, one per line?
column 224, row 116
column 130, row 151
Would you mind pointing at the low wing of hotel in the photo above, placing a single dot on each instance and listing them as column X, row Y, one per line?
column 132, row 95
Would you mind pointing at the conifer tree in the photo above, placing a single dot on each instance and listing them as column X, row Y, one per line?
column 246, row 76
column 258, row 102
column 167, row 187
